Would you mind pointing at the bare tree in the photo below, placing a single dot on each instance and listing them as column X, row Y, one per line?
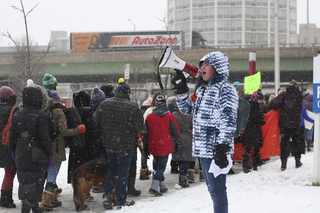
column 25, row 56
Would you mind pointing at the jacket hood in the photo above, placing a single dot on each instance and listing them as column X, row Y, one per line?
column 310, row 98
column 81, row 98
column 53, row 102
column 32, row 96
column 220, row 62
column 160, row 111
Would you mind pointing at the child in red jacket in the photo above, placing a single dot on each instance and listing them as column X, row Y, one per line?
column 162, row 138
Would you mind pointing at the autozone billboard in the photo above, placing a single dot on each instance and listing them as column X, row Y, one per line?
column 96, row 42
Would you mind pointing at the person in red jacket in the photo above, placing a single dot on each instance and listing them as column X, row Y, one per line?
column 162, row 139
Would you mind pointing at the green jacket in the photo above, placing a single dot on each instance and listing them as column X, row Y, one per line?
column 60, row 126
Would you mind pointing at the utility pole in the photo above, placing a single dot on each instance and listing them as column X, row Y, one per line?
column 276, row 49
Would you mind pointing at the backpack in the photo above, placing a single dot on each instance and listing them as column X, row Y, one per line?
column 5, row 130
column 242, row 114
column 73, row 120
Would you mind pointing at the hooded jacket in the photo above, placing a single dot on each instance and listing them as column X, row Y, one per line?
column 252, row 136
column 5, row 154
column 29, row 125
column 290, row 105
column 60, row 126
column 214, row 118
column 309, row 104
column 163, row 130
column 119, row 120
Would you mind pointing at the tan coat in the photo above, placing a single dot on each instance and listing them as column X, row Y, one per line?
column 60, row 126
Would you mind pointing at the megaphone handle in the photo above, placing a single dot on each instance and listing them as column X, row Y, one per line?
column 186, row 75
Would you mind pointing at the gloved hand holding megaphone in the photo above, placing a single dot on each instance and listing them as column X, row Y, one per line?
column 169, row 59
column 179, row 82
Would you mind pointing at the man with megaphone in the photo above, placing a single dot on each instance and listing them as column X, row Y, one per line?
column 214, row 106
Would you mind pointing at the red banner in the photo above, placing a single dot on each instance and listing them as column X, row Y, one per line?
column 270, row 138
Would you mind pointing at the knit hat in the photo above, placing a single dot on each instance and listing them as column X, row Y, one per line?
column 97, row 94
column 123, row 87
column 261, row 96
column 49, row 81
column 6, row 92
column 147, row 102
column 254, row 96
column 53, row 94
column 160, row 101
column 236, row 83
column 107, row 89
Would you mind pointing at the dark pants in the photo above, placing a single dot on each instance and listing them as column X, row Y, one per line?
column 286, row 134
column 160, row 163
column 119, row 165
column 183, row 167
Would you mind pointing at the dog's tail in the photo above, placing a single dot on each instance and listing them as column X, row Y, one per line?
column 76, row 196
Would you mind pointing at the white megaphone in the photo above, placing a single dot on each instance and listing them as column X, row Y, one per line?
column 169, row 59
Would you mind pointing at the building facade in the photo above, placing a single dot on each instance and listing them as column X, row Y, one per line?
column 234, row 22
column 314, row 34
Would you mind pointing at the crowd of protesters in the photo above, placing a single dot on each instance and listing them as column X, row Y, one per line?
column 116, row 128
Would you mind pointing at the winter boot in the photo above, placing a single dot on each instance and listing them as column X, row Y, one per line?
column 6, row 199
column 148, row 172
column 256, row 160
column 26, row 207
column 183, row 181
column 298, row 162
column 283, row 164
column 46, row 200
column 131, row 190
column 191, row 175
column 163, row 187
column 245, row 159
column 201, row 176
column 55, row 202
column 107, row 201
column 154, row 188
column 309, row 142
column 143, row 174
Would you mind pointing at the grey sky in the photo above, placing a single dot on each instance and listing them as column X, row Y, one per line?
column 98, row 16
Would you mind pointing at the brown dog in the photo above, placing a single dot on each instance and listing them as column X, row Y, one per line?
column 92, row 173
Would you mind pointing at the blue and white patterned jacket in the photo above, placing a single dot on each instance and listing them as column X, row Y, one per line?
column 214, row 118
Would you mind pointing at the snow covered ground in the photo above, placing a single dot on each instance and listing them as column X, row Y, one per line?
column 267, row 190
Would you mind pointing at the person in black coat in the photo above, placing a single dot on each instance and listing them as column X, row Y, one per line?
column 252, row 136
column 79, row 156
column 7, row 101
column 29, row 128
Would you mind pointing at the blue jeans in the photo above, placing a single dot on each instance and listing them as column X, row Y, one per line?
column 160, row 163
column 119, row 165
column 308, row 133
column 183, row 167
column 216, row 187
column 53, row 172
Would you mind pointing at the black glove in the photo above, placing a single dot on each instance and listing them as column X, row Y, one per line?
column 180, row 83
column 176, row 146
column 221, row 157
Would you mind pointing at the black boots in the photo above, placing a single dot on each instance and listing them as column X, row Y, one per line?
column 131, row 190
column 183, row 181
column 6, row 199
column 245, row 160
column 298, row 162
column 27, row 206
column 283, row 164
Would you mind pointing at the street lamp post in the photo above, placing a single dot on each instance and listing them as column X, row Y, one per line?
column 134, row 26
